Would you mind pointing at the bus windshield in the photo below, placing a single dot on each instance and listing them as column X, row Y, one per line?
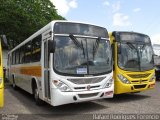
column 135, row 56
column 78, row 55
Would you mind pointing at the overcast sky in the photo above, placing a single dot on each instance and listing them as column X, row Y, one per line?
column 127, row 15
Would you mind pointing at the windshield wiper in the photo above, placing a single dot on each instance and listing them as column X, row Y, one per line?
column 76, row 42
column 131, row 46
column 96, row 46
column 83, row 49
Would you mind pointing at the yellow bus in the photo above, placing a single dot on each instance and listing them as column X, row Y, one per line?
column 1, row 79
column 133, row 62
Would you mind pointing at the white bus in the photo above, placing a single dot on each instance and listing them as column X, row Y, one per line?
column 64, row 62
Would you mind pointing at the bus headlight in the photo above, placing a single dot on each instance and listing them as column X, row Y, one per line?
column 123, row 79
column 61, row 86
column 152, row 78
column 109, row 83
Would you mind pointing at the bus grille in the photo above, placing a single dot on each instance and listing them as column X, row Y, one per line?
column 139, row 86
column 139, row 81
column 84, row 88
column 87, row 95
column 138, row 75
column 86, row 80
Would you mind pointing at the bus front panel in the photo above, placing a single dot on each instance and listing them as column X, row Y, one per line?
column 130, row 82
column 133, row 62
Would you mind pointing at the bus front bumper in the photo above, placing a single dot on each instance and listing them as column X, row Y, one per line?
column 131, row 88
column 1, row 97
column 60, row 98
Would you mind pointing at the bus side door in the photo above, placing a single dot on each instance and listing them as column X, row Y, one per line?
column 45, row 65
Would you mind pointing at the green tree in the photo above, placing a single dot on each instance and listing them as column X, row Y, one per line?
column 21, row 18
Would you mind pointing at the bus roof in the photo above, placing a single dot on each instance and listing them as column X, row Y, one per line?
column 114, row 33
column 129, row 32
column 45, row 28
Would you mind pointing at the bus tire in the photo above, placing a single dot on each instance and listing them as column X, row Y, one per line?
column 14, row 84
column 36, row 96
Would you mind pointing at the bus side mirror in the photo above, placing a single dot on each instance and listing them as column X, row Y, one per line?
column 119, row 48
column 4, row 41
column 51, row 46
column 113, row 67
column 119, row 51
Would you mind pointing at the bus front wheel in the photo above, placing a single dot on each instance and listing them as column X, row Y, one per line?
column 14, row 84
column 36, row 96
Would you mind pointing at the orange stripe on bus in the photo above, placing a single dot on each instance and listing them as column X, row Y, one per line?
column 31, row 71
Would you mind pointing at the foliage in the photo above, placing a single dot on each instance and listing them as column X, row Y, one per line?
column 21, row 18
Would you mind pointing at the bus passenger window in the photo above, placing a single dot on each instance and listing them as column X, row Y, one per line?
column 36, row 52
column 28, row 54
column 22, row 57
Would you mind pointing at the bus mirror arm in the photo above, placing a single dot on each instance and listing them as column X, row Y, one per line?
column 119, row 49
column 51, row 46
column 113, row 67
